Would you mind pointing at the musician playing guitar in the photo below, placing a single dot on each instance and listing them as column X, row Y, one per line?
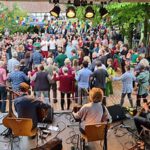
column 143, row 117
column 26, row 106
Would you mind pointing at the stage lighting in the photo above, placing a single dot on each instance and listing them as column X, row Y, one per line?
column 77, row 3
column 71, row 12
column 103, row 12
column 55, row 11
column 89, row 12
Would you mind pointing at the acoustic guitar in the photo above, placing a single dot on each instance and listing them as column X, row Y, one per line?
column 6, row 120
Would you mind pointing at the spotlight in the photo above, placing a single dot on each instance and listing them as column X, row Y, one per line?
column 83, row 2
column 89, row 12
column 55, row 11
column 103, row 12
column 76, row 3
column 71, row 12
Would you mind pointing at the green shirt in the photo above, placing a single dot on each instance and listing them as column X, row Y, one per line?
column 134, row 58
column 73, row 57
column 60, row 60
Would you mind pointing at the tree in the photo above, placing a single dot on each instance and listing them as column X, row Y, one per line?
column 127, row 16
column 12, row 19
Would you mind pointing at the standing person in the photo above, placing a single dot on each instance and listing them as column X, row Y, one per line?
column 3, row 92
column 143, row 85
column 42, row 83
column 66, row 80
column 16, row 77
column 111, row 73
column 44, row 47
column 67, row 63
column 82, row 77
column 60, row 58
column 12, row 62
column 127, row 82
column 124, row 53
column 36, row 57
column 50, row 68
column 52, row 46
column 99, row 76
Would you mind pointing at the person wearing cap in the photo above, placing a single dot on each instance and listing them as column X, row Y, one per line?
column 12, row 62
column 94, row 111
column 26, row 106
column 16, row 77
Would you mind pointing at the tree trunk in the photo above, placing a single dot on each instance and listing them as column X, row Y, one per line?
column 130, row 35
column 146, row 23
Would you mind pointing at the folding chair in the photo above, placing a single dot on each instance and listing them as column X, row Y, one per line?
column 95, row 132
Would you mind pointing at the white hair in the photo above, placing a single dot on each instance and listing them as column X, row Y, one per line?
column 144, row 62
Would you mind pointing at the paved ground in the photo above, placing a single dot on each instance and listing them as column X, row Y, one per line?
column 122, row 140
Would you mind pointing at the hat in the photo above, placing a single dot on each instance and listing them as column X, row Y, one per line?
column 24, row 87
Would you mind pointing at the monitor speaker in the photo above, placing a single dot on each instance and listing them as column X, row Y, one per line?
column 117, row 113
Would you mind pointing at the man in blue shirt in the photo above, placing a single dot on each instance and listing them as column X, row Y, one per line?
column 82, row 78
column 17, row 77
column 36, row 58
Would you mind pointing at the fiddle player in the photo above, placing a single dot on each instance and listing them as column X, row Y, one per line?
column 143, row 118
column 26, row 106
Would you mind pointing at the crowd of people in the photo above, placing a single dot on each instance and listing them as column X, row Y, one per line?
column 78, row 60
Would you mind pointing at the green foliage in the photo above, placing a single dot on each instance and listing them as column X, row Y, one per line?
column 10, row 18
column 124, row 14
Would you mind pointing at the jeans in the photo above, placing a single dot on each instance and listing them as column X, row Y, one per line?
column 82, row 95
column 3, row 97
column 45, row 94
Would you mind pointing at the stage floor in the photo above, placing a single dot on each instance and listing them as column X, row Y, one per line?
column 121, row 140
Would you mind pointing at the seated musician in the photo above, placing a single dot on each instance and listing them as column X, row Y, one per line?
column 26, row 106
column 93, row 112
column 144, row 118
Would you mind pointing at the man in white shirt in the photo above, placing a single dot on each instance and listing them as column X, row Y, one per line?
column 52, row 45
column 44, row 47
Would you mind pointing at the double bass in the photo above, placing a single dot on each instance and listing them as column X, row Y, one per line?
column 10, row 114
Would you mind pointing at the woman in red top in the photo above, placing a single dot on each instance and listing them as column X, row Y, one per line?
column 65, row 87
